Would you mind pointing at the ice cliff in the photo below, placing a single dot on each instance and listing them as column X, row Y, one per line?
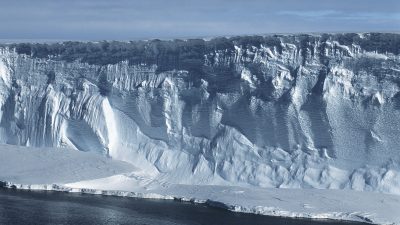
column 302, row 111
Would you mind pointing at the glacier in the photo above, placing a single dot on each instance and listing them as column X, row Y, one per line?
column 301, row 111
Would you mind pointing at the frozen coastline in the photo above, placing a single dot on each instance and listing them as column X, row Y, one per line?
column 34, row 169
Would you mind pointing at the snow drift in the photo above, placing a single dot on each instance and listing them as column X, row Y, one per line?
column 301, row 111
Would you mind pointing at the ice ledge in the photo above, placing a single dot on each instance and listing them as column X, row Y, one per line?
column 367, row 207
column 63, row 188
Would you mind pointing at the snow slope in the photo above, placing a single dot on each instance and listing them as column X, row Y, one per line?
column 75, row 171
column 51, row 165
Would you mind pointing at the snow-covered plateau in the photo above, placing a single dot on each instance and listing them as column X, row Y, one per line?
column 259, row 124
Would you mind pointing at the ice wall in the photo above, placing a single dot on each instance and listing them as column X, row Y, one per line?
column 324, row 115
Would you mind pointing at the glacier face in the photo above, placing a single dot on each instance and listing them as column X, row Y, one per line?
column 306, row 113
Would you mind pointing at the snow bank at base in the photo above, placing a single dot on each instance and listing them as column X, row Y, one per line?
column 307, row 203
column 75, row 171
column 55, row 165
column 297, row 203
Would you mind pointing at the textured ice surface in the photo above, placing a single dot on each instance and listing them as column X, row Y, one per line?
column 309, row 114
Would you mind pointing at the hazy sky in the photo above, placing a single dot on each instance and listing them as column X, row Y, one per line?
column 134, row 19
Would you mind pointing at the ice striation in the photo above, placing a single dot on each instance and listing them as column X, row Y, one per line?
column 301, row 114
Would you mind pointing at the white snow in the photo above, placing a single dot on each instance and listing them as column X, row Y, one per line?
column 55, row 165
column 75, row 171
column 247, row 76
column 308, row 203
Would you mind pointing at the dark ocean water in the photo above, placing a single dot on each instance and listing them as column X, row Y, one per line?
column 33, row 207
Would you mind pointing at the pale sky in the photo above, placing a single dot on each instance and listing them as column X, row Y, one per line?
column 133, row 19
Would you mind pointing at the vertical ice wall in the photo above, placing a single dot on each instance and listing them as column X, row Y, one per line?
column 323, row 116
